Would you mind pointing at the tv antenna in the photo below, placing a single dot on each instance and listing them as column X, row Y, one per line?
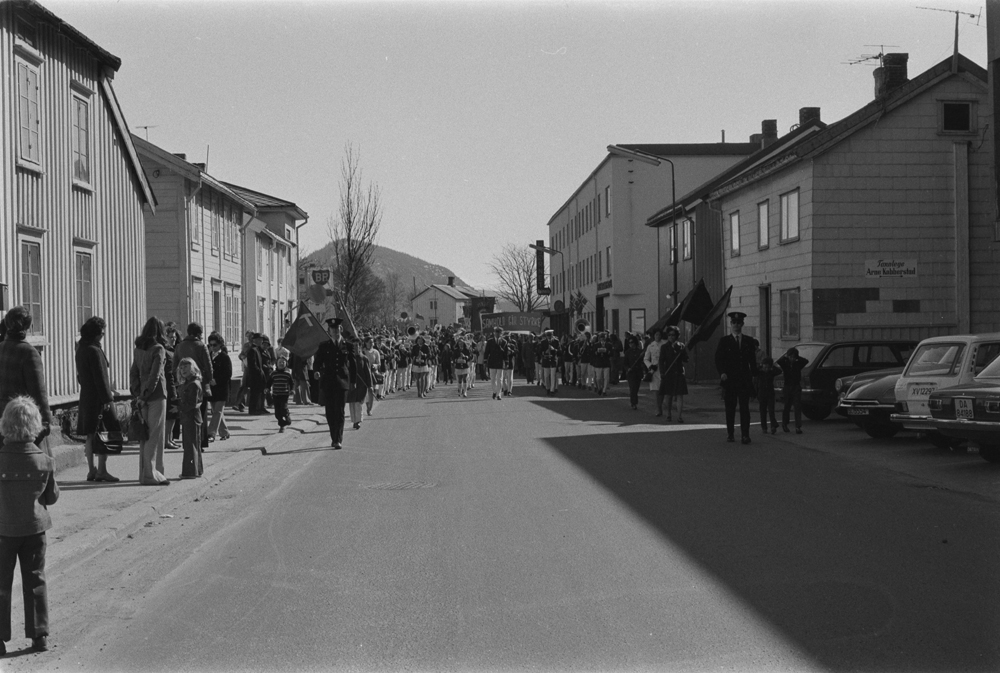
column 872, row 59
column 146, row 129
column 957, row 14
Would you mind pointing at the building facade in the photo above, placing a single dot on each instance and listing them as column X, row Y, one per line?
column 72, row 195
column 443, row 304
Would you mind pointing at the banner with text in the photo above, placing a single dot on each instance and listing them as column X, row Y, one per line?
column 890, row 268
column 514, row 322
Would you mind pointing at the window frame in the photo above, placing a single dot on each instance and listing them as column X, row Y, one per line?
column 786, row 236
column 198, row 300
column 37, row 328
column 607, row 250
column 734, row 234
column 971, row 104
column 672, row 243
column 764, row 224
column 216, row 205
column 81, row 313
column 786, row 327
column 24, row 158
column 686, row 238
column 607, row 201
column 79, row 97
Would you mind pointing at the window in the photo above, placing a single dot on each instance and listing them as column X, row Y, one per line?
column 434, row 304
column 29, row 123
column 607, row 200
column 81, row 140
column 217, row 325
column 608, row 252
column 734, row 233
column 237, row 317
column 260, row 258
column 956, row 117
column 26, row 32
column 198, row 221
column 281, row 258
column 790, row 216
column 197, row 298
column 790, row 314
column 762, row 233
column 237, row 238
column 31, row 283
column 673, row 244
column 686, row 238
column 84, row 287
column 598, row 208
column 260, row 314
column 600, row 267
column 215, row 205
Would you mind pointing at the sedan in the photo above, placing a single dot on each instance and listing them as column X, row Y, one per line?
column 970, row 411
column 870, row 402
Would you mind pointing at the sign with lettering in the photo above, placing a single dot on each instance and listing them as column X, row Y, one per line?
column 321, row 276
column 514, row 322
column 890, row 268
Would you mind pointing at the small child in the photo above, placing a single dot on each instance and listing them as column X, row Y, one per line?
column 189, row 396
column 791, row 367
column 27, row 487
column 765, row 393
column 281, row 387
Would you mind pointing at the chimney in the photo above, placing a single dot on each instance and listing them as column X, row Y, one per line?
column 198, row 166
column 808, row 114
column 891, row 75
column 451, row 281
column 768, row 132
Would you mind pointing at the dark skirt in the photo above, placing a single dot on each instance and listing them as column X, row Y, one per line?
column 673, row 383
column 87, row 413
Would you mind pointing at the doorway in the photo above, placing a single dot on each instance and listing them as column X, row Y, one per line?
column 599, row 316
column 765, row 320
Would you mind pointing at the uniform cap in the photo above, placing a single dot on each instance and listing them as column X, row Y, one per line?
column 737, row 317
column 334, row 322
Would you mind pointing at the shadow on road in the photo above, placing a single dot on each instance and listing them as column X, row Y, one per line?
column 861, row 571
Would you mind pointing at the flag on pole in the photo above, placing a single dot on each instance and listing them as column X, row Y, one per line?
column 341, row 311
column 697, row 305
column 711, row 322
column 305, row 334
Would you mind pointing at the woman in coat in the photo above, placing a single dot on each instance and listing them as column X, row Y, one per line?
column 358, row 394
column 96, row 395
column 222, row 374
column 148, row 385
column 21, row 370
column 673, row 355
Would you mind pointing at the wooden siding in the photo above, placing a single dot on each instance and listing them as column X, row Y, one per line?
column 105, row 219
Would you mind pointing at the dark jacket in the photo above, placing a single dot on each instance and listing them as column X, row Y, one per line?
column 791, row 370
column 336, row 365
column 738, row 363
column 95, row 386
column 21, row 373
column 194, row 348
column 222, row 372
column 495, row 353
column 27, row 487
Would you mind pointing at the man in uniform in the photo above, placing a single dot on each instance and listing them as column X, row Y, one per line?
column 336, row 369
column 736, row 360
column 494, row 354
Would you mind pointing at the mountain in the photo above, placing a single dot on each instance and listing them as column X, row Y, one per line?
column 412, row 270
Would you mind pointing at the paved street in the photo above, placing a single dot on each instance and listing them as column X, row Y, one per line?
column 566, row 533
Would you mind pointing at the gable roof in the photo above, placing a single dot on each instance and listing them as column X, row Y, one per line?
column 264, row 202
column 457, row 292
column 40, row 12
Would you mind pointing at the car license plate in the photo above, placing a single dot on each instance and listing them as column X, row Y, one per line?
column 963, row 408
column 857, row 412
column 921, row 391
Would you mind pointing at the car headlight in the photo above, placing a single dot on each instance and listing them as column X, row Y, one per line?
column 839, row 385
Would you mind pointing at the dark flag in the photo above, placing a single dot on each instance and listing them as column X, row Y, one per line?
column 305, row 335
column 711, row 322
column 697, row 305
column 677, row 313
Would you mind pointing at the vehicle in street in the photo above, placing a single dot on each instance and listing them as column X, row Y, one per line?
column 940, row 362
column 971, row 411
column 870, row 402
column 828, row 362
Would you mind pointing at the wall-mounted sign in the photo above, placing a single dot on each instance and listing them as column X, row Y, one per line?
column 605, row 285
column 890, row 268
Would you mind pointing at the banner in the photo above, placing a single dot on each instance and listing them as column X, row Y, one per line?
column 305, row 334
column 477, row 306
column 514, row 322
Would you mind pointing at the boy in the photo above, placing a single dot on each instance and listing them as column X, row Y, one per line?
column 791, row 367
column 281, row 387
column 765, row 393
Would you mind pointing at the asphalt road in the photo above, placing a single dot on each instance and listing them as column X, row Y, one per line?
column 560, row 534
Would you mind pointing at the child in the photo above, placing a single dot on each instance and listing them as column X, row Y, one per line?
column 189, row 395
column 791, row 367
column 281, row 387
column 27, row 487
column 765, row 393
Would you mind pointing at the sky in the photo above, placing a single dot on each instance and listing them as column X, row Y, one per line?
column 477, row 120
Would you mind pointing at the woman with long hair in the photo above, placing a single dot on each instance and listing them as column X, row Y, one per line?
column 222, row 374
column 96, row 396
column 148, row 385
column 673, row 355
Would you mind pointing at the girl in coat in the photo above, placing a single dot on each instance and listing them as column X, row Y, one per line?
column 189, row 394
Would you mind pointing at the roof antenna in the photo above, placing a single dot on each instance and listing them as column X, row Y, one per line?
column 146, row 129
column 207, row 148
column 954, row 57
column 871, row 59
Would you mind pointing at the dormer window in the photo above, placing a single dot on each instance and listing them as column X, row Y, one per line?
column 26, row 31
column 957, row 117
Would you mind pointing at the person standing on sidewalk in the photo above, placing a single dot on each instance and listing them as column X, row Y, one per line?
column 27, row 487
column 765, row 393
column 281, row 384
column 337, row 372
column 736, row 361
column 193, row 347
column 96, row 396
column 494, row 353
column 191, row 393
column 148, row 386
column 635, row 370
column 222, row 368
column 791, row 364
column 21, row 370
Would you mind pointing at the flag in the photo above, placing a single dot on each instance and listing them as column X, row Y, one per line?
column 419, row 317
column 711, row 322
column 680, row 311
column 697, row 305
column 348, row 324
column 305, row 335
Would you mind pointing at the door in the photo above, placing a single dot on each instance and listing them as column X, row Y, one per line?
column 599, row 315
column 765, row 320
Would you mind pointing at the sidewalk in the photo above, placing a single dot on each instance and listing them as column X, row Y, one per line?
column 90, row 515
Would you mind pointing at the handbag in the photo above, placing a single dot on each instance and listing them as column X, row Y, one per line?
column 106, row 442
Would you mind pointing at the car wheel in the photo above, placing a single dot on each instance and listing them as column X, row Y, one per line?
column 990, row 452
column 942, row 442
column 881, row 430
column 816, row 413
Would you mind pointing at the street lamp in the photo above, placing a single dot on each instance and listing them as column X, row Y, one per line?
column 552, row 251
column 654, row 160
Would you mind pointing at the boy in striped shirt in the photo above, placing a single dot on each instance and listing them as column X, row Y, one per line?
column 281, row 387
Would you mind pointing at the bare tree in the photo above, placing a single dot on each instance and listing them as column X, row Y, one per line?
column 515, row 269
column 355, row 229
column 393, row 298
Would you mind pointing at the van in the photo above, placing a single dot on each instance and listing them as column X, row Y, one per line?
column 936, row 363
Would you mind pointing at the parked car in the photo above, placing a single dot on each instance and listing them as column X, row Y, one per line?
column 971, row 412
column 870, row 402
column 831, row 361
column 940, row 362
column 846, row 383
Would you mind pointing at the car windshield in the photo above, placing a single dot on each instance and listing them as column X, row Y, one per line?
column 810, row 351
column 935, row 359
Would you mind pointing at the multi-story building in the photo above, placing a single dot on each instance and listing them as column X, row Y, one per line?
column 603, row 248
column 880, row 225
column 72, row 195
column 444, row 304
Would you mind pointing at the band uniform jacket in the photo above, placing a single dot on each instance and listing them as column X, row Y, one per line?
column 739, row 364
column 336, row 365
column 495, row 352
